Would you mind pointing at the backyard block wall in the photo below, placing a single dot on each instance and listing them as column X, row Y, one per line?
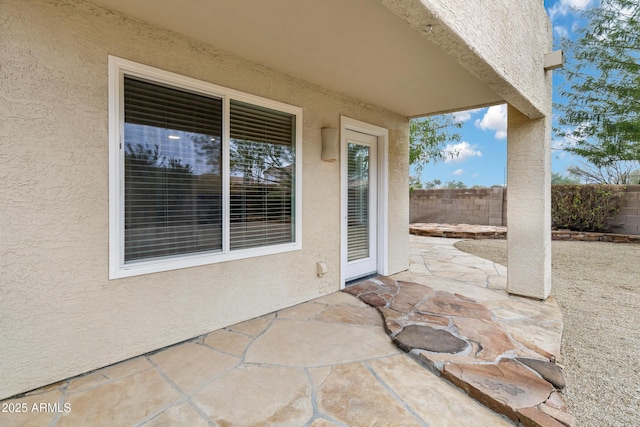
column 483, row 206
column 488, row 206
column 628, row 219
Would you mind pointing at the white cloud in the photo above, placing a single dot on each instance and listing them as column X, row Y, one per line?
column 578, row 4
column 561, row 31
column 463, row 116
column 562, row 143
column 563, row 7
column 456, row 153
column 458, row 172
column 474, row 175
column 495, row 119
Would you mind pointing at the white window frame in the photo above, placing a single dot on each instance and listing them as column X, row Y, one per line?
column 118, row 68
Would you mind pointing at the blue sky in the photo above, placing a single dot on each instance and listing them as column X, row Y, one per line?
column 482, row 151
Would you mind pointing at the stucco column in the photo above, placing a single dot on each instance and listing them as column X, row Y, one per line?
column 528, row 205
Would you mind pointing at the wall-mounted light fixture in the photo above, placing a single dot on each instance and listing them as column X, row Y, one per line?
column 553, row 60
column 329, row 144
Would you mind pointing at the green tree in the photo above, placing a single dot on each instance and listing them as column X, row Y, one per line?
column 432, row 184
column 601, row 115
column 258, row 161
column 612, row 173
column 558, row 178
column 428, row 138
column 415, row 183
column 454, row 184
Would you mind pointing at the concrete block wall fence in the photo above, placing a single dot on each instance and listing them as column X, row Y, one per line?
column 488, row 206
column 482, row 206
column 628, row 219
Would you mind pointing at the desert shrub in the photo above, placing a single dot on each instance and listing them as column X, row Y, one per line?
column 585, row 207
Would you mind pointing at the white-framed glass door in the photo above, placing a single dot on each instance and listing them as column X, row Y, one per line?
column 361, row 219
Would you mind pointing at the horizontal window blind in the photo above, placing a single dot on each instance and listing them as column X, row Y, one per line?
column 151, row 104
column 262, row 165
column 358, row 202
column 173, row 186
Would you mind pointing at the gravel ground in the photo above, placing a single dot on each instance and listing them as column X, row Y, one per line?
column 597, row 286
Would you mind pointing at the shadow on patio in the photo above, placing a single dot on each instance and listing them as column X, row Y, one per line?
column 330, row 361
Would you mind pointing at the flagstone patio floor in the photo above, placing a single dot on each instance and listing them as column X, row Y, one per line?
column 331, row 362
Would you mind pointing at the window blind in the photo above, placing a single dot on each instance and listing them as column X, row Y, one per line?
column 262, row 166
column 358, row 202
column 173, row 186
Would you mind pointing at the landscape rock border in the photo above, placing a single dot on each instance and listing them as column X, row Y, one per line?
column 467, row 231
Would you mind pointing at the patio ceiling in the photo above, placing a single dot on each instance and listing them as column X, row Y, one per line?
column 357, row 47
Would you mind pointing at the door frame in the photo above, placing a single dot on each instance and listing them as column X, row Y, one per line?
column 382, row 135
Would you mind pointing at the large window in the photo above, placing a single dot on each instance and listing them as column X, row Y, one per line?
column 199, row 173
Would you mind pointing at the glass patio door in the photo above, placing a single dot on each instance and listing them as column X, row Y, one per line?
column 361, row 218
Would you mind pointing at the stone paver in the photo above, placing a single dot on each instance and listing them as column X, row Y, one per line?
column 505, row 386
column 547, row 370
column 301, row 311
column 330, row 361
column 20, row 411
column 182, row 414
column 367, row 402
column 256, row 395
column 312, row 343
column 453, row 306
column 350, row 315
column 192, row 365
column 124, row 402
column 126, row 368
column 436, row 402
column 253, row 327
column 474, row 338
column 492, row 341
column 427, row 338
column 227, row 341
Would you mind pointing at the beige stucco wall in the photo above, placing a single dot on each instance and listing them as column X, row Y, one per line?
column 529, row 199
column 502, row 42
column 59, row 313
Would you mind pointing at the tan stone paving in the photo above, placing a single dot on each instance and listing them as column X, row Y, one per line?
column 538, row 322
column 313, row 343
column 258, row 395
column 327, row 362
column 499, row 348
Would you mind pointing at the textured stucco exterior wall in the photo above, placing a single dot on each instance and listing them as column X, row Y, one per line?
column 529, row 213
column 59, row 314
column 502, row 42
column 398, row 198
